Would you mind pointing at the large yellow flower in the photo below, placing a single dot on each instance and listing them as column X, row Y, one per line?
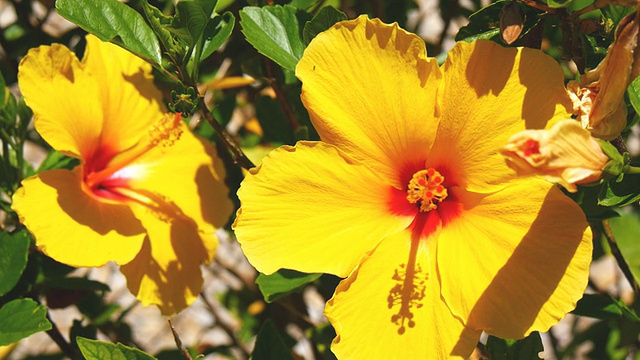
column 147, row 192
column 408, row 198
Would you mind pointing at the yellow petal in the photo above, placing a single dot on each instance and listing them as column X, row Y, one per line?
column 187, row 173
column 130, row 101
column 311, row 209
column 491, row 93
column 65, row 101
column 515, row 261
column 370, row 90
column 166, row 272
column 369, row 328
column 71, row 226
column 104, row 103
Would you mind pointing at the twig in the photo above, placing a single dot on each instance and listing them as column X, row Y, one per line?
column 57, row 337
column 227, row 329
column 448, row 17
column 239, row 156
column 176, row 338
column 533, row 4
column 622, row 263
column 289, row 115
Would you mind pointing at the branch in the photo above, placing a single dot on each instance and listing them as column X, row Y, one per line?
column 622, row 263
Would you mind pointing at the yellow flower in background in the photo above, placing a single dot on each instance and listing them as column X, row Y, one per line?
column 147, row 194
column 565, row 154
column 408, row 198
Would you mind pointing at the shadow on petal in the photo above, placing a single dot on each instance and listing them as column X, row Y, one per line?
column 543, row 279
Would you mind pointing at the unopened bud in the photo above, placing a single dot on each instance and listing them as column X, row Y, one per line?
column 511, row 22
column 565, row 154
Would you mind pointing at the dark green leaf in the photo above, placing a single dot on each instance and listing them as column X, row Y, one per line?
column 282, row 283
column 587, row 198
column 74, row 283
column 20, row 318
column 615, row 13
column 276, row 32
column 273, row 122
column 217, row 32
column 525, row 349
column 485, row 24
column 14, row 251
column 321, row 22
column 603, row 307
column 269, row 344
column 620, row 193
column 625, row 229
column 111, row 20
column 100, row 350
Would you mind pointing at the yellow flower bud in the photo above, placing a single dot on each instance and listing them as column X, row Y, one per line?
column 565, row 154
column 598, row 96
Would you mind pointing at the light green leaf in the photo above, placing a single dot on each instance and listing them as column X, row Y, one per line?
column 282, row 283
column 21, row 318
column 625, row 229
column 275, row 31
column 217, row 32
column 634, row 94
column 111, row 20
column 14, row 251
column 325, row 19
column 100, row 350
column 525, row 349
column 269, row 344
column 559, row 3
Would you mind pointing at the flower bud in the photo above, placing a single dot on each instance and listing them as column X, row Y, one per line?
column 511, row 22
column 598, row 96
column 565, row 154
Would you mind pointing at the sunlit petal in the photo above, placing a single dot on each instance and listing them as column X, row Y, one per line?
column 312, row 209
column 394, row 296
column 370, row 90
column 490, row 93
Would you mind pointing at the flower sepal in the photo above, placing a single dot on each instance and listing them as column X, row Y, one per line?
column 615, row 167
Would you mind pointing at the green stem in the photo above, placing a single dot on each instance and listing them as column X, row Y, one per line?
column 632, row 170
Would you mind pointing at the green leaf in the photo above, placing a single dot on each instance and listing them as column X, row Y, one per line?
column 14, row 251
column 75, row 283
column 604, row 307
column 621, row 193
column 56, row 160
column 634, row 94
column 217, row 32
column 100, row 350
column 485, row 23
column 273, row 122
column 321, row 22
column 559, row 3
column 625, row 229
column 282, row 283
column 21, row 318
column 111, row 20
column 269, row 344
column 525, row 349
column 275, row 31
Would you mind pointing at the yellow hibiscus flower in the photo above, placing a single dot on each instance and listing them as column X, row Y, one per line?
column 408, row 198
column 147, row 194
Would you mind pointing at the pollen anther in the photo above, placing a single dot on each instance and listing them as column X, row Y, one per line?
column 425, row 188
